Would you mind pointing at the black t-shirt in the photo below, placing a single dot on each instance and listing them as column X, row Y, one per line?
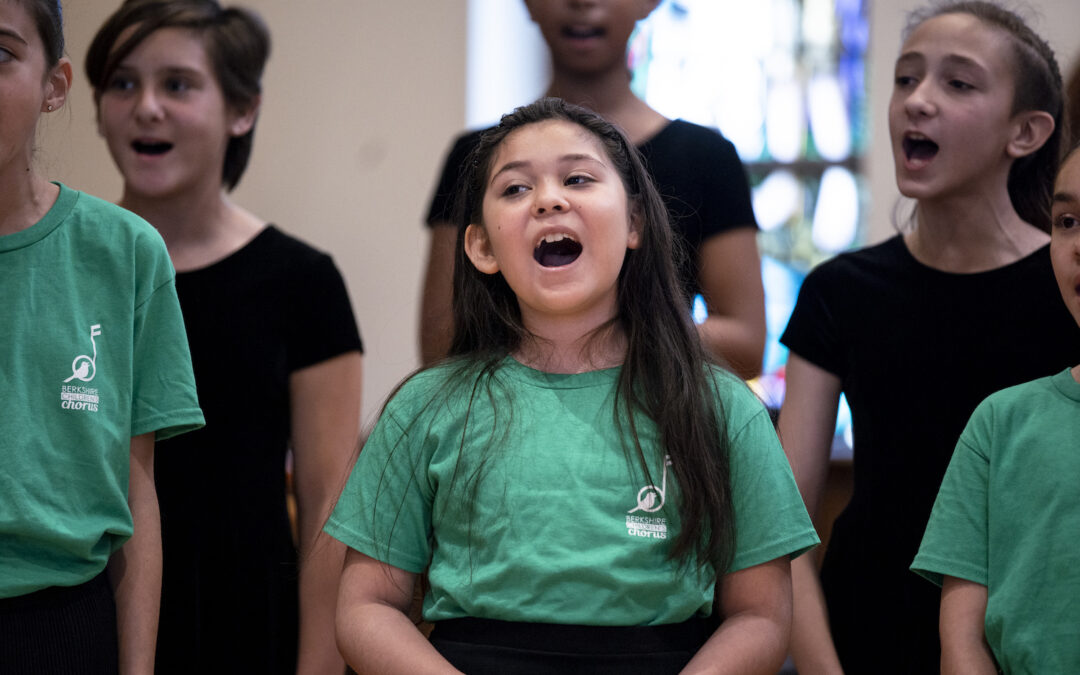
column 916, row 350
column 229, row 591
column 695, row 169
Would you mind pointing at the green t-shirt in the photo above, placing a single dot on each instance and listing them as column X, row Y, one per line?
column 563, row 529
column 93, row 353
column 1008, row 517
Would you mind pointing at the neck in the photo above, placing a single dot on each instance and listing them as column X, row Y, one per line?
column 609, row 95
column 199, row 228
column 25, row 198
column 564, row 347
column 972, row 233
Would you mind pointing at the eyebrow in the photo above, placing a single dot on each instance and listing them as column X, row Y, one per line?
column 950, row 60
column 6, row 32
column 1064, row 198
column 167, row 70
column 572, row 157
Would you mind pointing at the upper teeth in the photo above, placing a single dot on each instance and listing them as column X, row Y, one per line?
column 554, row 237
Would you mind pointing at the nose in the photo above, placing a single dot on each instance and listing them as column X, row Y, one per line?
column 920, row 100
column 148, row 105
column 549, row 199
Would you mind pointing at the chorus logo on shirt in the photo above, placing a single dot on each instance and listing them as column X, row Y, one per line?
column 76, row 395
column 650, row 499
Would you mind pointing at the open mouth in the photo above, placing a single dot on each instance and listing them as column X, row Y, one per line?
column 582, row 32
column 919, row 148
column 151, row 148
column 556, row 250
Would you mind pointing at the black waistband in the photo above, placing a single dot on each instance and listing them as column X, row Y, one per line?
column 686, row 636
column 55, row 596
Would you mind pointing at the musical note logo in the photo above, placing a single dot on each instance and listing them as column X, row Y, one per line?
column 83, row 367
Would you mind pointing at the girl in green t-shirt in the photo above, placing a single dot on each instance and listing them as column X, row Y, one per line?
column 1001, row 539
column 94, row 369
column 570, row 340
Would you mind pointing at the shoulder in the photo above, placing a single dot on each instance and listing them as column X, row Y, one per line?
column 879, row 263
column 1018, row 402
column 284, row 253
column 441, row 385
column 1035, row 266
column 104, row 232
column 94, row 213
column 1006, row 412
column 289, row 246
column 887, row 253
column 738, row 403
column 692, row 140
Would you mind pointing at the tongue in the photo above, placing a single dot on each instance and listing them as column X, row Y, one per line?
column 557, row 253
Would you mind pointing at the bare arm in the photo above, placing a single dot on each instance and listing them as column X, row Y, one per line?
column 756, row 604
column 135, row 569
column 807, row 423
column 730, row 277
column 373, row 629
column 325, row 406
column 964, row 650
column 436, row 317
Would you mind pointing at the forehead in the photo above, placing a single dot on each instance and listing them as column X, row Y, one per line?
column 168, row 45
column 548, row 140
column 16, row 18
column 960, row 35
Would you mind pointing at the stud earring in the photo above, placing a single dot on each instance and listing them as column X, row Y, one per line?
column 49, row 108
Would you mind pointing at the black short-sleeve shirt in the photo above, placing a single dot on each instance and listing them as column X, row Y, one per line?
column 229, row 585
column 916, row 349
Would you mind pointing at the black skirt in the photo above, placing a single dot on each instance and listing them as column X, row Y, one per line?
column 62, row 630
column 482, row 646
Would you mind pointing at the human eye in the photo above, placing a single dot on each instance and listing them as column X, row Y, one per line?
column 177, row 85
column 579, row 179
column 1065, row 221
column 905, row 75
column 960, row 85
column 5, row 55
column 120, row 83
column 513, row 189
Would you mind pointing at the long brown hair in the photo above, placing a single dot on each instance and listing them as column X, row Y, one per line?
column 665, row 375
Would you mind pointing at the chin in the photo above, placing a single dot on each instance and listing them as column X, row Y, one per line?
column 911, row 189
column 148, row 190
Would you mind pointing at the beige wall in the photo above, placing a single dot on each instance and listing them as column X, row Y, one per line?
column 362, row 98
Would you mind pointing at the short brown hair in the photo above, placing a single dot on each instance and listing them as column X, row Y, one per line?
column 237, row 43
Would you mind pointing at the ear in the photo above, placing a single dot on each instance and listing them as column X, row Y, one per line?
column 242, row 121
column 1032, row 129
column 478, row 248
column 633, row 240
column 57, row 86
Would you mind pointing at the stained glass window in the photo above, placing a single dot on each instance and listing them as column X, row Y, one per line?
column 784, row 81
